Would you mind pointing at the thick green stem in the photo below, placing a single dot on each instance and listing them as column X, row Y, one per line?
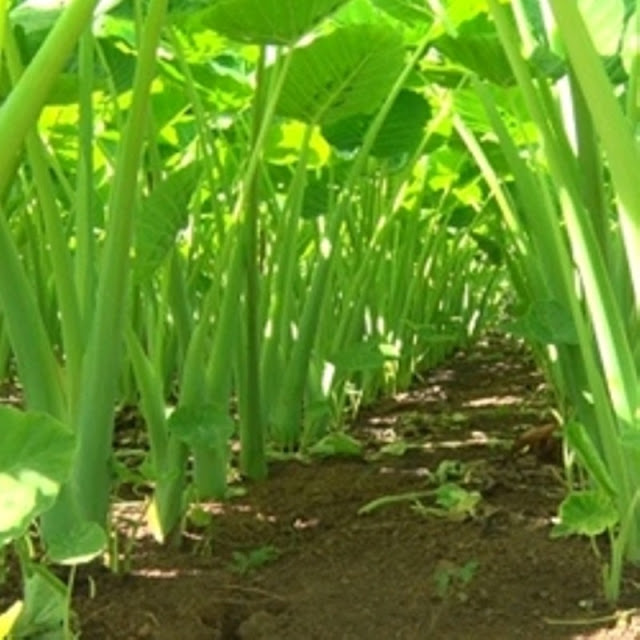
column 91, row 473
column 21, row 108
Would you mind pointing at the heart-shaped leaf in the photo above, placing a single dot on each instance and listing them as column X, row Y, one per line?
column 35, row 459
column 348, row 72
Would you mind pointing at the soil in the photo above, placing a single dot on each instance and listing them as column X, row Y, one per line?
column 292, row 559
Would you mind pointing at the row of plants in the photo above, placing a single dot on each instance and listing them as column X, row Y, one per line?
column 249, row 218
column 243, row 231
column 572, row 210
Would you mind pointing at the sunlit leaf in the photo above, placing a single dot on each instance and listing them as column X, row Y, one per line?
column 267, row 21
column 409, row 11
column 285, row 139
column 631, row 41
column 35, row 459
column 588, row 513
column 336, row 444
column 346, row 73
column 604, row 21
column 477, row 47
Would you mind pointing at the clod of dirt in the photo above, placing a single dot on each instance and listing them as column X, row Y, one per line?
column 541, row 442
column 261, row 625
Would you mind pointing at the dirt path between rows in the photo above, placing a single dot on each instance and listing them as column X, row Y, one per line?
column 293, row 560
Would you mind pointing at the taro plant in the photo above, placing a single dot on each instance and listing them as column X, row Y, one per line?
column 319, row 283
column 80, row 390
column 34, row 463
column 248, row 217
column 560, row 102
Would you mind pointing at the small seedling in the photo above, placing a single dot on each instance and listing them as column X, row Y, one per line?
column 450, row 470
column 199, row 517
column 451, row 580
column 243, row 563
column 454, row 503
column 337, row 444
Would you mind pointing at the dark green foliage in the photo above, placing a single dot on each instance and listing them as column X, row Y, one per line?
column 401, row 131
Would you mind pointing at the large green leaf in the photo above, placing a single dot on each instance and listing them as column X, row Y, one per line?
column 477, row 47
column 604, row 21
column 162, row 215
column 547, row 322
column 268, row 21
column 201, row 426
column 35, row 459
column 410, row 11
column 401, row 131
column 45, row 606
column 588, row 513
column 630, row 41
column 346, row 73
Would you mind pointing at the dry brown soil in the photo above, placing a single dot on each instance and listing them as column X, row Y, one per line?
column 315, row 569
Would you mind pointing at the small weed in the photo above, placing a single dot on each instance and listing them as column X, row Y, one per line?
column 243, row 563
column 451, row 582
column 453, row 502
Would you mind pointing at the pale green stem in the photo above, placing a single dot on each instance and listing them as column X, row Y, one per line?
column 91, row 473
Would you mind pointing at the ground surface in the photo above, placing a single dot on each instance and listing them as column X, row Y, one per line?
column 315, row 569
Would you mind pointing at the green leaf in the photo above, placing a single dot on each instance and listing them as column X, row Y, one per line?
column 401, row 131
column 34, row 15
column 284, row 140
column 630, row 439
column 478, row 48
column 462, row 11
column 202, row 426
column 267, row 21
column 119, row 64
column 630, row 42
column 397, row 448
column 45, row 606
column 244, row 563
column 604, row 21
column 456, row 500
column 337, row 444
column 588, row 513
column 163, row 214
column 548, row 322
column 348, row 72
column 35, row 459
column 77, row 543
column 409, row 11
column 364, row 356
